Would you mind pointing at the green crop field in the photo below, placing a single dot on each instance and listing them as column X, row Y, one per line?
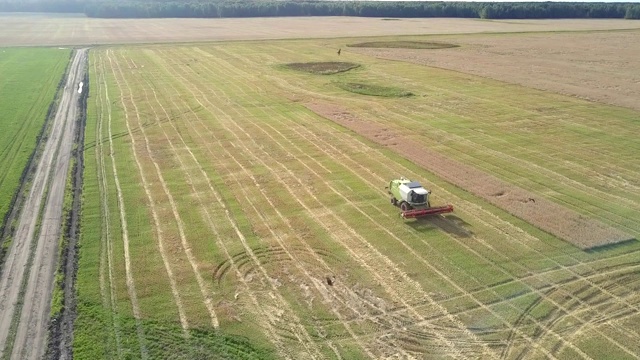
column 223, row 217
column 29, row 80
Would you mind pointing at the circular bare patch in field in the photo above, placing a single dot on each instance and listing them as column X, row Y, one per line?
column 323, row 68
column 374, row 90
column 404, row 45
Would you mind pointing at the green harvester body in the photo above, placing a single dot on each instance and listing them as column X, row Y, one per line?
column 413, row 199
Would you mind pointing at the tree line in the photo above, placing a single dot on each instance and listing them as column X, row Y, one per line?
column 396, row 9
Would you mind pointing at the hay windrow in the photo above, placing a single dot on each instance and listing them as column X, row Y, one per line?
column 404, row 45
column 323, row 68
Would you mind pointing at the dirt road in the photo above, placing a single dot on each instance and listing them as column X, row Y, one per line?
column 28, row 273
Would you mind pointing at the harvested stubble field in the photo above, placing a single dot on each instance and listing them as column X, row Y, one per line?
column 66, row 29
column 223, row 217
column 594, row 65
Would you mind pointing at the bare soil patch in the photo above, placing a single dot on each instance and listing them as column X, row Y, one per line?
column 564, row 223
column 596, row 66
column 404, row 45
column 323, row 68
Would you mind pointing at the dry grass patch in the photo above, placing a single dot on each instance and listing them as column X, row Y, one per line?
column 404, row 45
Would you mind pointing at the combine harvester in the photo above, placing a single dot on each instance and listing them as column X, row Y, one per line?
column 413, row 199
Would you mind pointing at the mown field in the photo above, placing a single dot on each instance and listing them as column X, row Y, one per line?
column 224, row 218
column 29, row 80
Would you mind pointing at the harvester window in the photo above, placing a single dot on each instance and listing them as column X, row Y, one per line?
column 416, row 198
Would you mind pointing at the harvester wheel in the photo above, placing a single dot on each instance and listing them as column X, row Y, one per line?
column 394, row 202
column 404, row 206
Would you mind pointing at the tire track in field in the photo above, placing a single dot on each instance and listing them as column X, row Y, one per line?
column 363, row 244
column 249, row 251
column 207, row 293
column 624, row 281
column 603, row 319
column 600, row 319
column 207, row 217
column 318, row 284
column 482, row 257
column 595, row 317
column 172, row 282
column 625, row 349
column 433, row 269
column 400, row 112
column 416, row 255
column 558, row 178
column 212, row 133
column 300, row 332
column 286, row 84
column 531, row 113
column 506, row 273
column 585, row 324
column 420, row 258
column 106, row 246
column 131, row 288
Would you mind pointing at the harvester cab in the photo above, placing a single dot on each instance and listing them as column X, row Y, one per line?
column 413, row 199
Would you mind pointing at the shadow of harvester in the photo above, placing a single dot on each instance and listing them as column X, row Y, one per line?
column 450, row 224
